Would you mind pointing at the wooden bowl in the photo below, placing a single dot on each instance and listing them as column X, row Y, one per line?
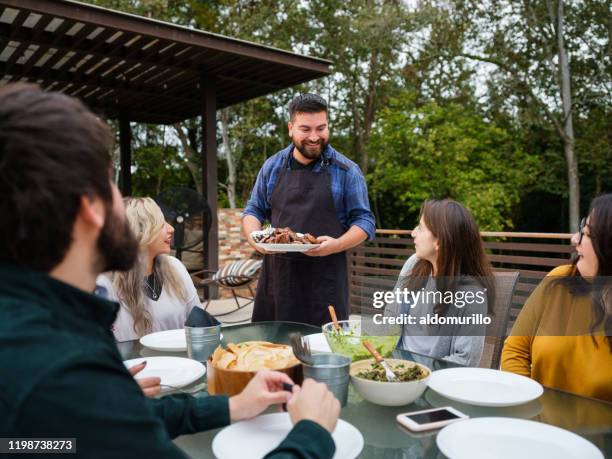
column 232, row 382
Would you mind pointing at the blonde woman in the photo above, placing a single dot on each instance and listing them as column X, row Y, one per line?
column 157, row 293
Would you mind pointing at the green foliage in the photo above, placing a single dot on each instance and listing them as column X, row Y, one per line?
column 434, row 151
column 412, row 104
column 157, row 165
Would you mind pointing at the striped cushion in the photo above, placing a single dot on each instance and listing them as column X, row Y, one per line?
column 237, row 273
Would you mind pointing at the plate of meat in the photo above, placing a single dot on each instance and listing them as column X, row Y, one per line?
column 284, row 240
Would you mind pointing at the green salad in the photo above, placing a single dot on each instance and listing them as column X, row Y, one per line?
column 350, row 344
column 403, row 372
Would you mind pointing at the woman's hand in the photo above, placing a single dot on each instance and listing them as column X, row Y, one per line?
column 150, row 386
column 265, row 389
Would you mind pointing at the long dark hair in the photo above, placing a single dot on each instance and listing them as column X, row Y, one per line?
column 600, row 289
column 461, row 252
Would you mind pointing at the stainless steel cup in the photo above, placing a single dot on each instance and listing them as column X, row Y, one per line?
column 333, row 370
column 202, row 341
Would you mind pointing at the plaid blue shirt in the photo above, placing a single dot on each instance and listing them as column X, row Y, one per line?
column 348, row 188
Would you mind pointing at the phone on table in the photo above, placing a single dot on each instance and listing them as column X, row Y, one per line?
column 433, row 418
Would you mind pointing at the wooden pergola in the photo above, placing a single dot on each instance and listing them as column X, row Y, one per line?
column 132, row 68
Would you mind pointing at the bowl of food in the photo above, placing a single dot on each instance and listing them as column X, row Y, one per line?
column 369, row 380
column 230, row 369
column 349, row 339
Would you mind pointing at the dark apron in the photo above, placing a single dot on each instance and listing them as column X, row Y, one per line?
column 293, row 286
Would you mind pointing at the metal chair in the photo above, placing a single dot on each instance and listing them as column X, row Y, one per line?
column 505, row 284
column 234, row 276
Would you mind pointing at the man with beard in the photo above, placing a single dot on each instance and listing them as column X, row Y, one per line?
column 310, row 188
column 61, row 375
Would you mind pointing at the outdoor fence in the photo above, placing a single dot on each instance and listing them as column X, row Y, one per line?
column 378, row 262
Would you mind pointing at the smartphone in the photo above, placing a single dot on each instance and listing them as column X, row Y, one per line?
column 433, row 418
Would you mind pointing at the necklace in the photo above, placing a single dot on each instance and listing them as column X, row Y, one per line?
column 153, row 289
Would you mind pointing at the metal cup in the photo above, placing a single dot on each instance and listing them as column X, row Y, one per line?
column 202, row 341
column 333, row 370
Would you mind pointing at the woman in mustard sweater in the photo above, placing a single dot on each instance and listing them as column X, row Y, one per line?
column 563, row 335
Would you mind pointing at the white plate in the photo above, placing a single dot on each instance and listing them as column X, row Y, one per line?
column 484, row 387
column 506, row 438
column 264, row 433
column 287, row 247
column 167, row 340
column 522, row 411
column 318, row 343
column 174, row 371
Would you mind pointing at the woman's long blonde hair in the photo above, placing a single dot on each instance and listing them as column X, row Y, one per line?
column 146, row 221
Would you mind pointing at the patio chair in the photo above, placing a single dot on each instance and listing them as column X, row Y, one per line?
column 505, row 283
column 235, row 276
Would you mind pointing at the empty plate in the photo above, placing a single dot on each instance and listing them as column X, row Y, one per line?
column 264, row 433
column 167, row 340
column 174, row 372
column 484, row 387
column 508, row 438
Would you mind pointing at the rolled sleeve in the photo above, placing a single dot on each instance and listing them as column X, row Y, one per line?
column 258, row 205
column 357, row 204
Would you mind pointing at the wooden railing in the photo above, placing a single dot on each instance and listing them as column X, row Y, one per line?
column 378, row 262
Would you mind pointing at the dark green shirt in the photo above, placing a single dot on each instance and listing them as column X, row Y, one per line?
column 61, row 375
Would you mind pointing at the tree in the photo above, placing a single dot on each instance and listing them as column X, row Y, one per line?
column 530, row 44
column 157, row 164
column 536, row 74
column 188, row 138
column 229, row 158
column 434, row 151
column 365, row 40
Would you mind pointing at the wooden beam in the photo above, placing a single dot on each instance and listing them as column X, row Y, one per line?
column 127, row 22
column 209, row 173
column 152, row 45
column 51, row 43
column 125, row 88
column 40, row 52
column 20, row 50
column 77, row 57
column 125, row 146
column 97, row 47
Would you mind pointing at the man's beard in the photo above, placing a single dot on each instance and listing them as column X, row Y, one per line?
column 117, row 245
column 311, row 154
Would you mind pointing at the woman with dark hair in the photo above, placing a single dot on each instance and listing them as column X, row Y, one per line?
column 454, row 276
column 563, row 335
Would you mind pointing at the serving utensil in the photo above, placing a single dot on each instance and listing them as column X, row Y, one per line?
column 301, row 348
column 332, row 313
column 379, row 358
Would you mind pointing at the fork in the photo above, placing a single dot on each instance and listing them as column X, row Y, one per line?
column 191, row 390
column 301, row 348
column 379, row 358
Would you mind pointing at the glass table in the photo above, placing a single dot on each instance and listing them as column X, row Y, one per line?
column 383, row 436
